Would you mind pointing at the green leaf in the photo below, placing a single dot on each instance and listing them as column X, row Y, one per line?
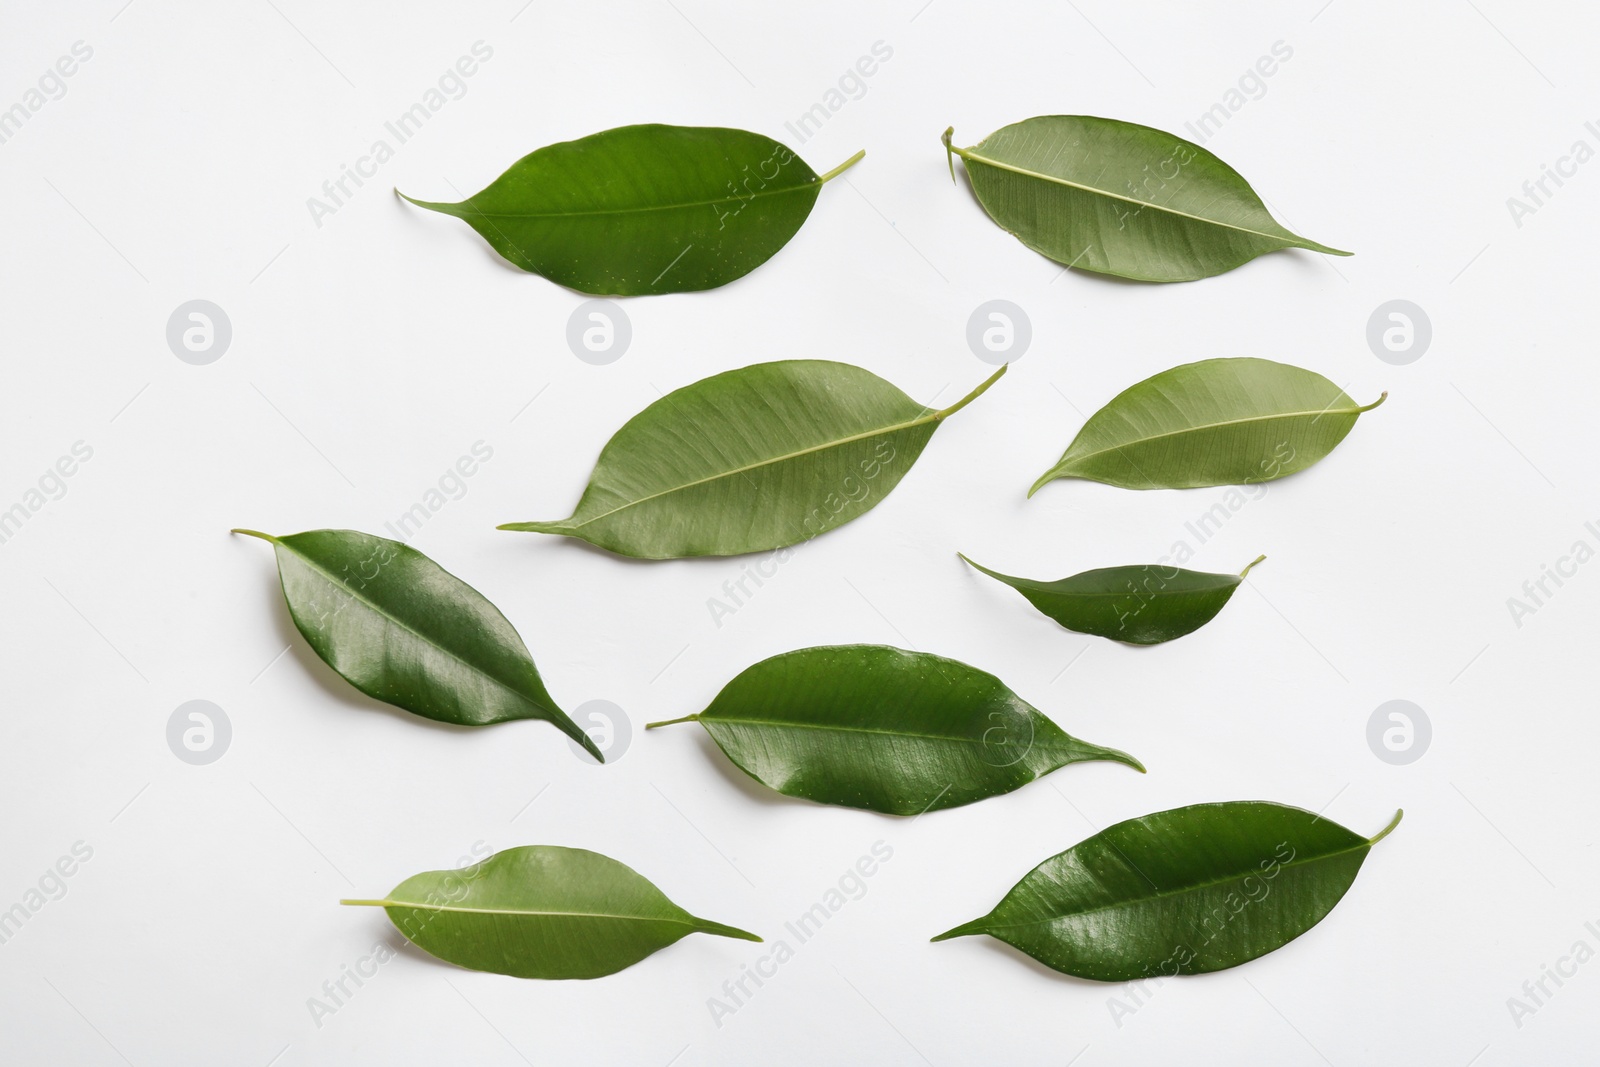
column 541, row 911
column 1184, row 891
column 751, row 459
column 1216, row 422
column 405, row 631
column 1141, row 605
column 867, row 726
column 1118, row 198
column 646, row 209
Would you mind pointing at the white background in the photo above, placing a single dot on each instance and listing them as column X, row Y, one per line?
column 372, row 351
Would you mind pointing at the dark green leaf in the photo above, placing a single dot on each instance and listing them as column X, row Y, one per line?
column 1118, row 198
column 1141, row 605
column 1216, row 422
column 541, row 911
column 1180, row 892
column 405, row 631
column 751, row 459
column 872, row 727
column 646, row 209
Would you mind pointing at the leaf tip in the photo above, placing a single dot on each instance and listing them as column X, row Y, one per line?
column 1044, row 479
column 973, row 927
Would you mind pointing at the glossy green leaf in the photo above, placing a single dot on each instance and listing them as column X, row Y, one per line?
column 1118, row 198
column 1216, row 422
column 541, row 911
column 646, row 209
column 1144, row 604
column 1183, row 891
column 405, row 631
column 751, row 459
column 867, row 726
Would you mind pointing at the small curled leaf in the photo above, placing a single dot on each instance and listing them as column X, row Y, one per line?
column 1140, row 605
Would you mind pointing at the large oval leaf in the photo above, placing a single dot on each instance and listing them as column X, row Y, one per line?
column 1140, row 605
column 541, row 911
column 867, row 726
column 646, row 209
column 749, row 460
column 1118, row 198
column 1216, row 422
column 1183, row 891
column 405, row 631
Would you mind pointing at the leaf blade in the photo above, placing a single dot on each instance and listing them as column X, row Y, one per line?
column 752, row 459
column 1231, row 421
column 542, row 911
column 645, row 209
column 892, row 731
column 1143, row 604
column 405, row 631
column 1123, row 199
column 1166, row 893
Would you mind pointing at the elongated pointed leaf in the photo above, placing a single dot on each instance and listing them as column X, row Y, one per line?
column 751, row 459
column 867, row 726
column 405, row 631
column 1183, row 891
column 1118, row 198
column 1216, row 422
column 541, row 911
column 646, row 209
column 1140, row 605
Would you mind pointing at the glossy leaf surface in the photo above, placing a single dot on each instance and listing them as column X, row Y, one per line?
column 866, row 726
column 749, row 460
column 1140, row 605
column 405, row 631
column 1119, row 198
column 1216, row 422
column 541, row 911
column 1183, row 891
column 645, row 209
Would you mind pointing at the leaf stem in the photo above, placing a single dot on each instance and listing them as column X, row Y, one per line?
column 951, row 152
column 841, row 168
column 255, row 533
column 1381, row 398
column 970, row 397
column 672, row 722
column 1250, row 566
column 1387, row 830
column 369, row 903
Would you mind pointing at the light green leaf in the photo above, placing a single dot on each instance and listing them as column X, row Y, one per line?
column 1216, row 422
column 1118, row 198
column 751, row 459
column 541, row 911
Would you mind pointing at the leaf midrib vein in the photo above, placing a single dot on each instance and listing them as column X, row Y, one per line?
column 969, row 154
column 530, row 912
column 630, row 210
column 865, row 730
column 1209, row 426
column 1182, row 890
column 928, row 415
